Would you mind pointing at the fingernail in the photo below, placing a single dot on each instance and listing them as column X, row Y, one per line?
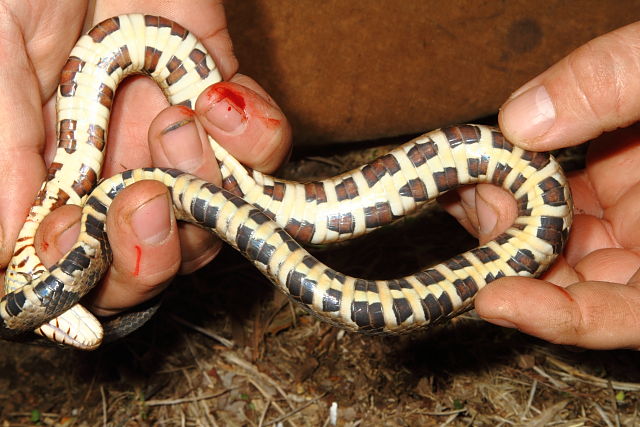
column 487, row 216
column 68, row 237
column 151, row 222
column 181, row 144
column 457, row 211
column 226, row 109
column 530, row 114
column 468, row 197
column 468, row 205
column 502, row 322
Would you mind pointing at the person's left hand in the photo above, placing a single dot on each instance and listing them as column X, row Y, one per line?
column 149, row 247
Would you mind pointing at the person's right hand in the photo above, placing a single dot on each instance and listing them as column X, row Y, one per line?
column 591, row 297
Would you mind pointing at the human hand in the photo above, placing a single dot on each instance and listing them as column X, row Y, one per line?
column 148, row 246
column 591, row 296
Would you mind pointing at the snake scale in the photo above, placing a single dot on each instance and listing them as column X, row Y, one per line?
column 265, row 218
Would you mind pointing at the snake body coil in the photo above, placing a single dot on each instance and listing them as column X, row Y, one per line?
column 246, row 213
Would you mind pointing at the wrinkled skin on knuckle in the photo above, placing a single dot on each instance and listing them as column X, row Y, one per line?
column 602, row 71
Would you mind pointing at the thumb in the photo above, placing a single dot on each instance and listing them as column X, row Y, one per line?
column 485, row 210
column 592, row 90
column 496, row 210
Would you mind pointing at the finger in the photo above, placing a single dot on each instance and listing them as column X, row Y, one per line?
column 561, row 273
column 57, row 233
column 146, row 248
column 457, row 204
column 609, row 264
column 144, row 240
column 624, row 218
column 137, row 102
column 585, row 199
column 588, row 233
column 21, row 136
column 46, row 45
column 248, row 124
column 613, row 151
column 178, row 140
column 484, row 210
column 596, row 315
column 593, row 89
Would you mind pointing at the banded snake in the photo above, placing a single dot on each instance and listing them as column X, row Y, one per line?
column 265, row 218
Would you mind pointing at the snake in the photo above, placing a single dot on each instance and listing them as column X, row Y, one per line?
column 269, row 220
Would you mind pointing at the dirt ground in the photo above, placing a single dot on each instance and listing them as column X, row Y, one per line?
column 226, row 350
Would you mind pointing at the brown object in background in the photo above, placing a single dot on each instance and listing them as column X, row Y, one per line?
column 364, row 69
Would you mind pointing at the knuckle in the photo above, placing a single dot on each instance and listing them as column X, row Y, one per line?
column 602, row 71
column 596, row 81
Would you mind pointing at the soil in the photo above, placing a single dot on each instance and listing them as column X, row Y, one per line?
column 227, row 350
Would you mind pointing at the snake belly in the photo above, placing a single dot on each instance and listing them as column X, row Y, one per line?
column 267, row 218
